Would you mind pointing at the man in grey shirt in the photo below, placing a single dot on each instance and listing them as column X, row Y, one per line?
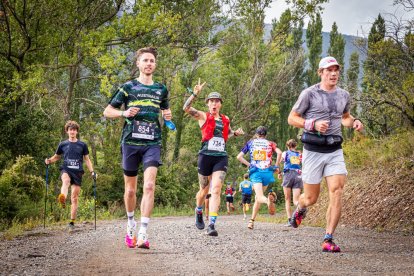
column 320, row 110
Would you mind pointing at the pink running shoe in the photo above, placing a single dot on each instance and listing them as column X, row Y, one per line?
column 330, row 246
column 143, row 241
column 297, row 217
column 130, row 237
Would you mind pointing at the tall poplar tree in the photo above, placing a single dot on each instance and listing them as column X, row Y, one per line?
column 314, row 43
column 337, row 48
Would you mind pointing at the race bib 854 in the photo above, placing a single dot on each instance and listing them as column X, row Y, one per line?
column 143, row 130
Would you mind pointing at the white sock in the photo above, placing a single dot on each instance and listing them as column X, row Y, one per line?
column 131, row 220
column 144, row 225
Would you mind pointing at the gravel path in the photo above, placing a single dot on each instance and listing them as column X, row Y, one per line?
column 178, row 248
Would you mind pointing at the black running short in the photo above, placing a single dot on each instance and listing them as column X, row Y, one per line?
column 75, row 177
column 246, row 199
column 132, row 156
column 229, row 199
column 208, row 164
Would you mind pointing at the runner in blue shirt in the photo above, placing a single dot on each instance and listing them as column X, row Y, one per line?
column 246, row 188
column 261, row 170
column 292, row 178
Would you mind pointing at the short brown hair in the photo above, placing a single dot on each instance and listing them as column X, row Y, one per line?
column 291, row 143
column 246, row 176
column 142, row 51
column 72, row 124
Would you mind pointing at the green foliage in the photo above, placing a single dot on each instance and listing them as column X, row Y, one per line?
column 71, row 55
column 21, row 190
column 18, row 227
column 314, row 43
column 368, row 152
column 336, row 45
column 388, row 80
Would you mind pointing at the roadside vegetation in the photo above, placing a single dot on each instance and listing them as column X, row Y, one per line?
column 54, row 70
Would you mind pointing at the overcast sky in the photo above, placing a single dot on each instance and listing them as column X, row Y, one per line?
column 353, row 17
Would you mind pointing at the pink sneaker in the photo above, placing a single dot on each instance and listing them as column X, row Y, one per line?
column 143, row 241
column 330, row 246
column 130, row 237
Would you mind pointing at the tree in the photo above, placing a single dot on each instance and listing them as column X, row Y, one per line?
column 337, row 47
column 314, row 43
column 352, row 79
column 388, row 79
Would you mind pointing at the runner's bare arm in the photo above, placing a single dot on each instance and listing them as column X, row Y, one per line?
column 279, row 156
column 240, row 157
column 112, row 112
column 166, row 114
column 88, row 163
column 296, row 120
column 238, row 132
column 52, row 159
column 349, row 121
column 198, row 115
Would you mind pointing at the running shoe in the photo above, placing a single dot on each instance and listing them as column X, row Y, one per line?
column 297, row 217
column 288, row 224
column 251, row 224
column 62, row 200
column 130, row 237
column 271, row 199
column 211, row 231
column 329, row 246
column 143, row 241
column 71, row 226
column 199, row 222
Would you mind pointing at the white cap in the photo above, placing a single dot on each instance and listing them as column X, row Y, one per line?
column 328, row 62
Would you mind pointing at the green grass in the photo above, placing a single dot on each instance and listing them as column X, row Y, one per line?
column 17, row 228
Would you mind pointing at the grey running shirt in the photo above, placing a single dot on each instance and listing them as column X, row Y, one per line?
column 315, row 103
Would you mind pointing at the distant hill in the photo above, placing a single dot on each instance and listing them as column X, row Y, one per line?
column 350, row 42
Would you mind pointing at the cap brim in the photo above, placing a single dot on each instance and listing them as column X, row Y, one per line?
column 329, row 65
column 221, row 100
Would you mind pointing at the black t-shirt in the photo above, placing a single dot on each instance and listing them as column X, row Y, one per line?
column 73, row 153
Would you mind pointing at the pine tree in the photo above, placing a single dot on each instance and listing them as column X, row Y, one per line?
column 337, row 48
column 314, row 43
column 352, row 87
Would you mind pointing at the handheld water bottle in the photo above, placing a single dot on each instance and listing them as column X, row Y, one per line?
column 169, row 124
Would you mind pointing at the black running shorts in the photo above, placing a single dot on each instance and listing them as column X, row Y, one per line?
column 208, row 164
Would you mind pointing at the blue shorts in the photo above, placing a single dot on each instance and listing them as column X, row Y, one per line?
column 132, row 156
column 264, row 176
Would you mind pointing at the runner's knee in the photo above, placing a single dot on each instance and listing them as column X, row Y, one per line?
column 287, row 198
column 130, row 192
column 310, row 199
column 215, row 191
column 337, row 192
column 149, row 188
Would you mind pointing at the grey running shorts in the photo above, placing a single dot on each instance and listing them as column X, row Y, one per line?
column 292, row 179
column 316, row 165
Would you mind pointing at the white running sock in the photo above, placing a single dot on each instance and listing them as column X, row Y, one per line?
column 131, row 220
column 144, row 225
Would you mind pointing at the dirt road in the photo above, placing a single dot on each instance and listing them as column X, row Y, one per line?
column 178, row 248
